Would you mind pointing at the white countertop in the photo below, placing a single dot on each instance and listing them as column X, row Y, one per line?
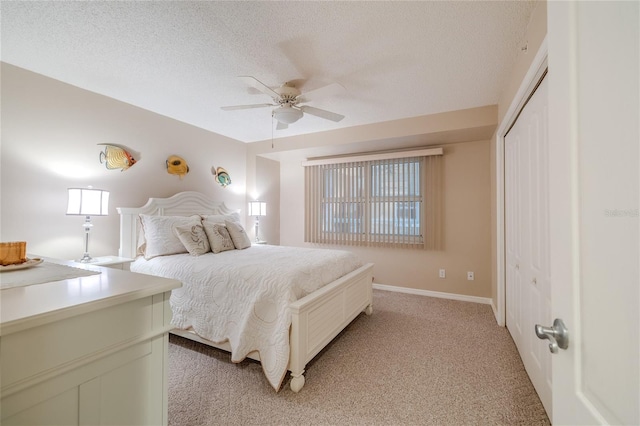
column 33, row 305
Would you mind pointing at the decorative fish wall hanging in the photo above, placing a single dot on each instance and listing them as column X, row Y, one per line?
column 221, row 176
column 177, row 166
column 116, row 157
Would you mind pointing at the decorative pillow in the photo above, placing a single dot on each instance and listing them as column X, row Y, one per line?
column 238, row 235
column 219, row 237
column 159, row 236
column 220, row 218
column 194, row 238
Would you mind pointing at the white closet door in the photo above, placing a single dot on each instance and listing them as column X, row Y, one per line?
column 513, row 234
column 528, row 295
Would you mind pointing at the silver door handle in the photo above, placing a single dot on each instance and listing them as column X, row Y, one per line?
column 558, row 335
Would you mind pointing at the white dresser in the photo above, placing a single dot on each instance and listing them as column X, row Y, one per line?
column 85, row 351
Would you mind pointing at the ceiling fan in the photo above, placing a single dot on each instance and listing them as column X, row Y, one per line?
column 287, row 100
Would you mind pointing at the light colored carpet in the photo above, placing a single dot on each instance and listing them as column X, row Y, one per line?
column 416, row 361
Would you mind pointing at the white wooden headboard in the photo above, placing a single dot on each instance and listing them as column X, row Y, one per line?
column 181, row 204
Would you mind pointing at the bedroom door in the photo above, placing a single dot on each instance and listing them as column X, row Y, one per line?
column 528, row 293
column 594, row 134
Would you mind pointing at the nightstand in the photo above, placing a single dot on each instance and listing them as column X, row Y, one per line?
column 114, row 262
column 258, row 242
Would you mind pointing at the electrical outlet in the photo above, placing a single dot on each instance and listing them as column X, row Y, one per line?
column 442, row 273
column 470, row 276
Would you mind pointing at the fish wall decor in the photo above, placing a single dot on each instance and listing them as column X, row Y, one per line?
column 221, row 176
column 116, row 157
column 177, row 166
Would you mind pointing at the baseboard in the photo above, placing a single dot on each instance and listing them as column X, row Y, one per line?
column 441, row 295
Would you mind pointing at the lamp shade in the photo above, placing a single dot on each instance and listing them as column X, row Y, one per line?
column 88, row 202
column 257, row 208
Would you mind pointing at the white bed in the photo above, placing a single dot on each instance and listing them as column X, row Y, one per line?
column 315, row 318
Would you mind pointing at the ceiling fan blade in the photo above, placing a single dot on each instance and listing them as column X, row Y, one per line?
column 257, row 84
column 332, row 89
column 321, row 113
column 234, row 107
column 281, row 126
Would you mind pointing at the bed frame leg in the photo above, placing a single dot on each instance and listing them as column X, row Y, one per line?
column 297, row 382
column 368, row 310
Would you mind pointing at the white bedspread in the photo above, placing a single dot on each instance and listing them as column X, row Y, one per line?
column 242, row 296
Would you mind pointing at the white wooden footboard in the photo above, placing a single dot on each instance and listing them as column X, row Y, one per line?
column 317, row 318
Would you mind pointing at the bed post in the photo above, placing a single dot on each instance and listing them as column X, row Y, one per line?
column 320, row 316
column 298, row 349
column 128, row 235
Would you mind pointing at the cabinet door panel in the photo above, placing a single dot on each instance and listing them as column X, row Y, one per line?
column 126, row 396
column 59, row 410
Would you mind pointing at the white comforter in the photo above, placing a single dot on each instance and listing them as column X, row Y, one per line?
column 242, row 296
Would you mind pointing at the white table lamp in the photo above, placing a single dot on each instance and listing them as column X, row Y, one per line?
column 87, row 202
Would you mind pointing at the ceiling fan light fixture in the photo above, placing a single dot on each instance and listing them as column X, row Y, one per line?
column 287, row 115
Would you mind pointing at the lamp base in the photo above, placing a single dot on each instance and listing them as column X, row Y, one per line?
column 86, row 259
column 256, row 229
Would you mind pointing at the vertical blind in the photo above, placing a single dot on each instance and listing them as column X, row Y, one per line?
column 391, row 202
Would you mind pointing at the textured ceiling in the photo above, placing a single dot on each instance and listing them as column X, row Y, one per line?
column 182, row 58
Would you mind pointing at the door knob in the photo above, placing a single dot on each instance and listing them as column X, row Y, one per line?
column 558, row 335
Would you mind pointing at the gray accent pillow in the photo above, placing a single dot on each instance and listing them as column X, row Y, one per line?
column 238, row 235
column 194, row 238
column 219, row 237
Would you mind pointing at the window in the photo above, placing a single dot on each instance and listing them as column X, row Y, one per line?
column 381, row 202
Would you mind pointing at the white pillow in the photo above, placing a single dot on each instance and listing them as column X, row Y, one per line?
column 238, row 235
column 193, row 238
column 219, row 237
column 159, row 236
column 220, row 218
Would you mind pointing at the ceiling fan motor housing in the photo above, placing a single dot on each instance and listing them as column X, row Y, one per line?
column 288, row 94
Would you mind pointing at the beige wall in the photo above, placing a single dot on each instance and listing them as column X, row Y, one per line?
column 267, row 189
column 49, row 136
column 536, row 33
column 466, row 213
column 467, row 194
